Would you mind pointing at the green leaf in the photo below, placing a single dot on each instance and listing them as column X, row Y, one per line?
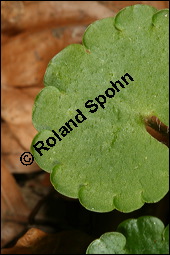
column 145, row 235
column 107, row 160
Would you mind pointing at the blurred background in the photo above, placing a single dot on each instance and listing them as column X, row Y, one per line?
column 32, row 32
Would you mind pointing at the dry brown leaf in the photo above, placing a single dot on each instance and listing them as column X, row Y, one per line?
column 18, row 16
column 26, row 56
column 13, row 145
column 14, row 164
column 14, row 208
column 9, row 144
column 4, row 38
column 157, row 4
column 12, row 200
column 17, row 105
column 24, row 133
column 11, row 12
column 9, row 231
column 36, row 241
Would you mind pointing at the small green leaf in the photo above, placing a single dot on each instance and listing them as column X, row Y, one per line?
column 106, row 158
column 145, row 235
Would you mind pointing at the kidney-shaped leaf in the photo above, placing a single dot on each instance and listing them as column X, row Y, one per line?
column 145, row 235
column 93, row 139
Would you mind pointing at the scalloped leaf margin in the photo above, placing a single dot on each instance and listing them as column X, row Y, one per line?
column 108, row 166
